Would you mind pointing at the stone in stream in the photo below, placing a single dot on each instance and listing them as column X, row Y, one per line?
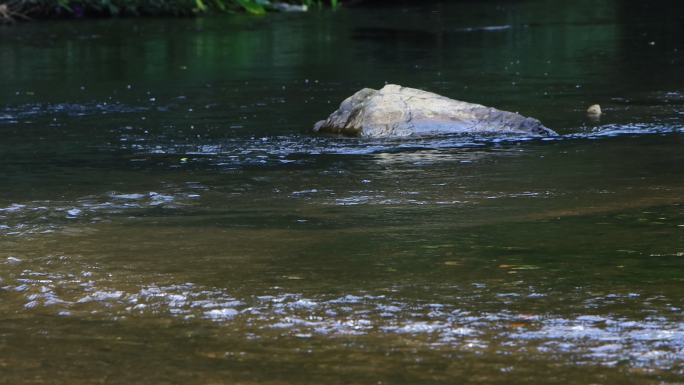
column 396, row 111
column 286, row 7
column 594, row 112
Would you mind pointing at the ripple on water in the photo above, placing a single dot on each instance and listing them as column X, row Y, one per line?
column 287, row 149
column 66, row 287
column 48, row 216
column 28, row 112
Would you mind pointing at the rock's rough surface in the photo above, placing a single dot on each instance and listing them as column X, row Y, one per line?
column 396, row 111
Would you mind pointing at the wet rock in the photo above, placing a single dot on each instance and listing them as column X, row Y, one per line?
column 286, row 7
column 396, row 111
column 594, row 112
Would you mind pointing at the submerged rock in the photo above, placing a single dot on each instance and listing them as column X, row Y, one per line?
column 396, row 111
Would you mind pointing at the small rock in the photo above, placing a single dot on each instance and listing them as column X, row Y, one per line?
column 285, row 7
column 594, row 112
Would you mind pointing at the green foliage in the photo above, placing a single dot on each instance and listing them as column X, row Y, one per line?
column 79, row 8
column 251, row 6
column 200, row 5
column 333, row 3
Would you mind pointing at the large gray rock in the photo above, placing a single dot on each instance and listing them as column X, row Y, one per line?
column 396, row 111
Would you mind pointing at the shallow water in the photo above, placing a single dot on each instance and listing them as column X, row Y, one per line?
column 166, row 217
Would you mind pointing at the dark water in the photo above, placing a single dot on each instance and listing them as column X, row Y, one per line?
column 166, row 217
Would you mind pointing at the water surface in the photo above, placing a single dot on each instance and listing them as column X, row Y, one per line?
column 166, row 217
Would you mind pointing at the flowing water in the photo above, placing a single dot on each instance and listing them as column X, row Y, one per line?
column 166, row 216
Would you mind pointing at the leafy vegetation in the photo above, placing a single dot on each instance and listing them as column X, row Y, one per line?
column 11, row 10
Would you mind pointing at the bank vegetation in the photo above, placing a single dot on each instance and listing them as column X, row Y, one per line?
column 17, row 10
